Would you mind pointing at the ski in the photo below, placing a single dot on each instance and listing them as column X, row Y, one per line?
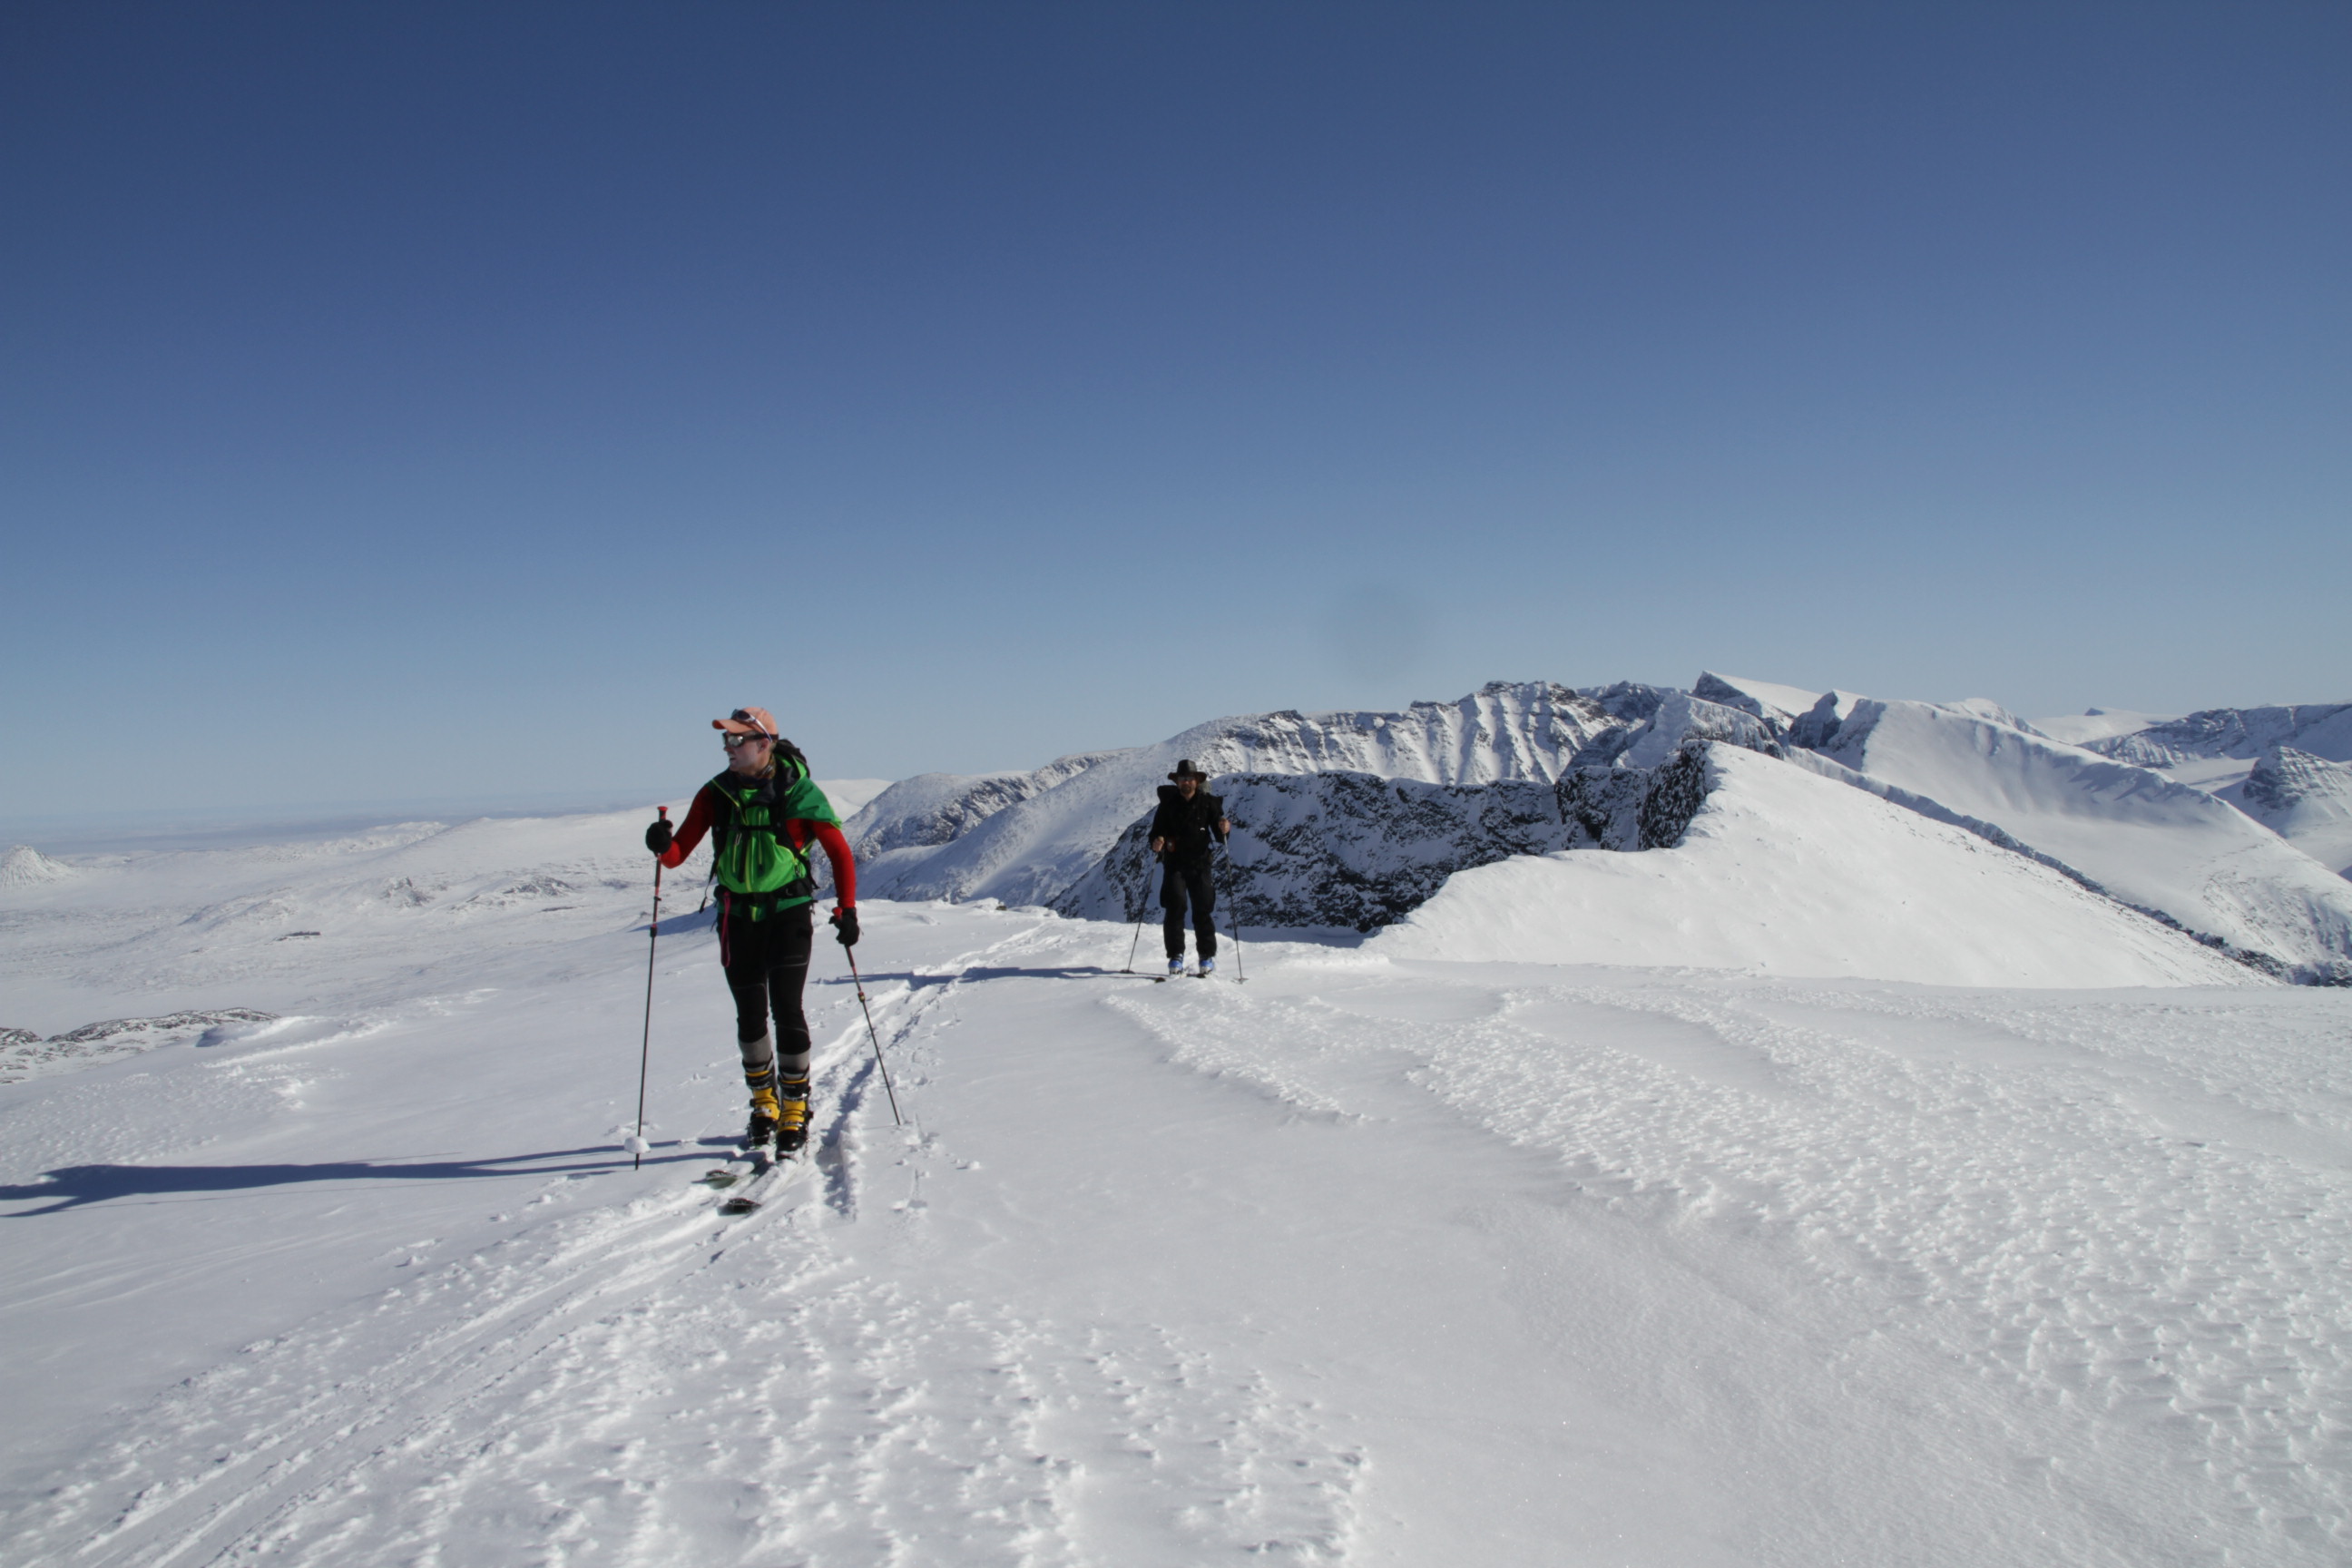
column 764, row 1182
column 744, row 1165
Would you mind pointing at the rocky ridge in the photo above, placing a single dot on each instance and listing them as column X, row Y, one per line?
column 1355, row 851
column 1029, row 842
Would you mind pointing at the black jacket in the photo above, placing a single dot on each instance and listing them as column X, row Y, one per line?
column 1188, row 826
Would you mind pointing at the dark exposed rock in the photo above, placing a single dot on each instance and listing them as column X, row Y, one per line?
column 169, row 1023
column 2285, row 778
column 1356, row 850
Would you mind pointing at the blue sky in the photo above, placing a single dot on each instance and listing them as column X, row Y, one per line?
column 458, row 401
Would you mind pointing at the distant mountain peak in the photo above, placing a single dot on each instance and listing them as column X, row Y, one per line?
column 24, row 865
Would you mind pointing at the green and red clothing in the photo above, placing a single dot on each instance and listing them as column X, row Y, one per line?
column 791, row 814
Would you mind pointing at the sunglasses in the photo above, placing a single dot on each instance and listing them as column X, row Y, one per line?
column 733, row 740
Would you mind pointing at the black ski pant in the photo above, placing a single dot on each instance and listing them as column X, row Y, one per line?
column 1184, row 882
column 767, row 964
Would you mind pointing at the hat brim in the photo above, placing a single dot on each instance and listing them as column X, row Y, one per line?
column 737, row 727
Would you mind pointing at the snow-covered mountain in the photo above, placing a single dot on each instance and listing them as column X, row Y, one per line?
column 24, row 865
column 1355, row 819
column 2306, row 800
column 1027, row 839
column 2321, row 728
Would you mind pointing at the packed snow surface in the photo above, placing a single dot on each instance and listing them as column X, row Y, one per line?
column 1782, row 872
column 1370, row 1259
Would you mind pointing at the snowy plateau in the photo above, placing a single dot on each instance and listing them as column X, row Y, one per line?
column 1732, row 1125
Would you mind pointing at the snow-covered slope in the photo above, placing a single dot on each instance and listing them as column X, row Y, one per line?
column 2098, row 724
column 1782, row 872
column 380, row 910
column 1765, row 699
column 2306, row 800
column 1692, row 1269
column 2152, row 842
column 2321, row 728
column 850, row 796
column 2215, row 748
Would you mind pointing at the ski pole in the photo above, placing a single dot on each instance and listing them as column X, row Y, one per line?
column 859, row 980
column 1233, row 896
column 1144, row 909
column 645, row 1050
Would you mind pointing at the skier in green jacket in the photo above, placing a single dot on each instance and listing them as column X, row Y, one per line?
column 762, row 814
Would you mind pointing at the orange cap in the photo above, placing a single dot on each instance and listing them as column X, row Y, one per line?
column 748, row 722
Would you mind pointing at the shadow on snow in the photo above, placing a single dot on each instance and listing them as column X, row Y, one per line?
column 77, row 1187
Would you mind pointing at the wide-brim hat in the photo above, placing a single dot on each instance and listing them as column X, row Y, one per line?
column 748, row 722
column 1185, row 770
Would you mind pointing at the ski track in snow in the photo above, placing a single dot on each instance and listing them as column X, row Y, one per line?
column 1367, row 1261
column 679, row 1387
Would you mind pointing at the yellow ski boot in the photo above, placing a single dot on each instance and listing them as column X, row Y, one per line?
column 793, row 1119
column 764, row 1117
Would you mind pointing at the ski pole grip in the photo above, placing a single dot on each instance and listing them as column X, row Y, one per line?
column 662, row 811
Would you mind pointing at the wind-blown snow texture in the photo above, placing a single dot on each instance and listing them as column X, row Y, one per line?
column 1375, row 1259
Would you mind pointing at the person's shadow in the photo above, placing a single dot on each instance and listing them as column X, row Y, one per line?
column 78, row 1186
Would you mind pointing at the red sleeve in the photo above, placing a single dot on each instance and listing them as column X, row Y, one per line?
column 690, row 831
column 837, row 849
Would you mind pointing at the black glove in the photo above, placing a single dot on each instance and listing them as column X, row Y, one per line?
column 657, row 836
column 845, row 926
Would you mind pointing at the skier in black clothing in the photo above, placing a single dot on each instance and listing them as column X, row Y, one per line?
column 1188, row 819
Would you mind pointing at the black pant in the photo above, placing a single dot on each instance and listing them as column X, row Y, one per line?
column 1193, row 880
column 767, row 964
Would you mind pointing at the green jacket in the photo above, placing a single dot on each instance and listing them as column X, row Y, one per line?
column 751, row 850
